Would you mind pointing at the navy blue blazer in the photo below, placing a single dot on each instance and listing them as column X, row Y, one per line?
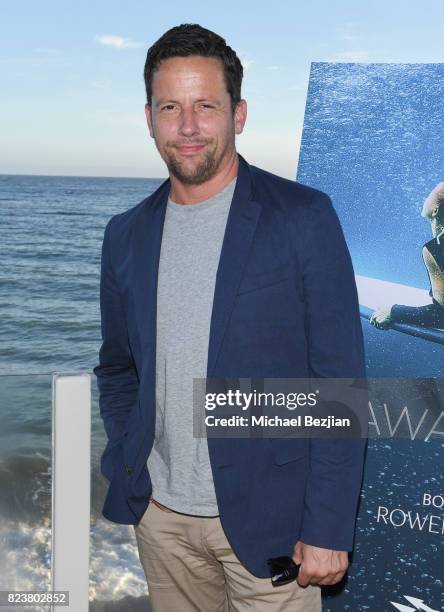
column 285, row 306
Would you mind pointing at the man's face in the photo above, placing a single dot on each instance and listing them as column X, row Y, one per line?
column 191, row 119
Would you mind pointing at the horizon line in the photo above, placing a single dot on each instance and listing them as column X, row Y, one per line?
column 86, row 176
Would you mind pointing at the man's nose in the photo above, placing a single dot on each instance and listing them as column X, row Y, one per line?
column 188, row 124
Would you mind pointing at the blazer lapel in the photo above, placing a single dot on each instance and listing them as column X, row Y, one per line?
column 239, row 232
column 147, row 243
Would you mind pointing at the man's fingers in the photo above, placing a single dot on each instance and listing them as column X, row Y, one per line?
column 303, row 579
column 321, row 566
column 338, row 577
column 306, row 577
column 297, row 554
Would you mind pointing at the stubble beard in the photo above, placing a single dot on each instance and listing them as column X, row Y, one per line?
column 203, row 172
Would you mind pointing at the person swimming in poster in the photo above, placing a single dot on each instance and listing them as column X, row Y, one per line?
column 430, row 315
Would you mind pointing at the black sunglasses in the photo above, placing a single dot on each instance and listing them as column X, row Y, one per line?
column 283, row 570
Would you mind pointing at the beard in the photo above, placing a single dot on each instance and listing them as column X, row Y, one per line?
column 200, row 173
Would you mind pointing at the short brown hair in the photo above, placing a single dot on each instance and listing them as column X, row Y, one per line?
column 192, row 39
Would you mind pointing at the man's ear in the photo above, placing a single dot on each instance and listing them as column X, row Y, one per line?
column 149, row 119
column 240, row 116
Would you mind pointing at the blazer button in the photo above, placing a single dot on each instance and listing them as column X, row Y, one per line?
column 128, row 469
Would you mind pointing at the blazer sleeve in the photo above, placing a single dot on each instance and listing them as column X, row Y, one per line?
column 117, row 378
column 336, row 350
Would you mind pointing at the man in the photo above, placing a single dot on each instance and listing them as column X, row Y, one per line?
column 225, row 271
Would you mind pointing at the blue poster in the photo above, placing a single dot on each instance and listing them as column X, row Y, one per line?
column 372, row 140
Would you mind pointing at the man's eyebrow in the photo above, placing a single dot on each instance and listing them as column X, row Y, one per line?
column 209, row 99
column 167, row 101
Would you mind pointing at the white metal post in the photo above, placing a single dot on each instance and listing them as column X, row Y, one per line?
column 71, row 457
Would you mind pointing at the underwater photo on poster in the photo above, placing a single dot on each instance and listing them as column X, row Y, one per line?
column 372, row 140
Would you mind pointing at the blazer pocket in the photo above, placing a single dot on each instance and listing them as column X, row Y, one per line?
column 289, row 449
column 260, row 280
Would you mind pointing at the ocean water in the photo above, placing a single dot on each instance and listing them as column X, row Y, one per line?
column 51, row 235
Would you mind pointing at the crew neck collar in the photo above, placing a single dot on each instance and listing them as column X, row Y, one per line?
column 204, row 203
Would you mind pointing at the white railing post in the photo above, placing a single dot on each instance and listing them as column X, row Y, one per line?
column 71, row 460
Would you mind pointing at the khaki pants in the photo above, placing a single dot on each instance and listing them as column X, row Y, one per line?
column 191, row 567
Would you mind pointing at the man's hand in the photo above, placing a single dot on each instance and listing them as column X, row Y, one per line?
column 319, row 565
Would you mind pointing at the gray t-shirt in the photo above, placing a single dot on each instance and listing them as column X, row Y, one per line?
column 179, row 463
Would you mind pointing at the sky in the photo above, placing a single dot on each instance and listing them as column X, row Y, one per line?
column 72, row 73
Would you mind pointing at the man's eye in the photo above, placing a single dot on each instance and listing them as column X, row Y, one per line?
column 207, row 105
column 168, row 107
